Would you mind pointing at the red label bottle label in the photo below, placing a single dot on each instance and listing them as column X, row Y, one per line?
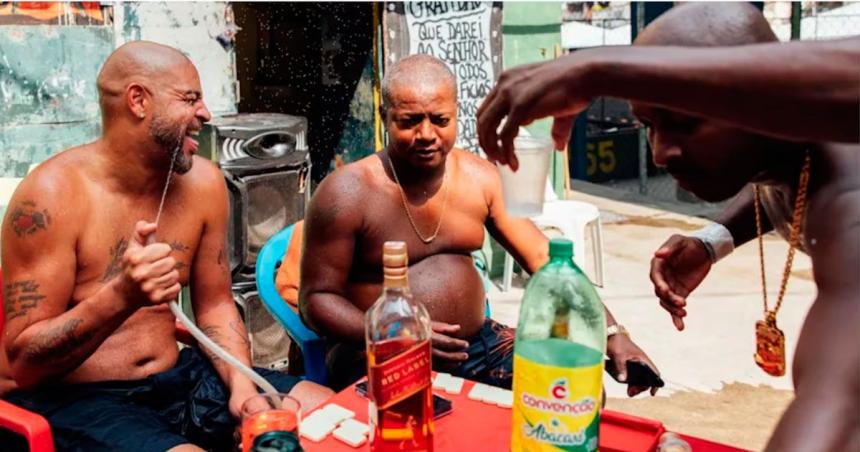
column 401, row 376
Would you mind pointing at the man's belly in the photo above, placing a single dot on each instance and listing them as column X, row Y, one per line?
column 447, row 284
column 143, row 345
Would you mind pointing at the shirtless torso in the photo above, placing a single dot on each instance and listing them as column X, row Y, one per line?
column 369, row 211
column 91, row 220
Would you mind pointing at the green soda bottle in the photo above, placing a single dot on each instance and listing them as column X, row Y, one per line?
column 558, row 357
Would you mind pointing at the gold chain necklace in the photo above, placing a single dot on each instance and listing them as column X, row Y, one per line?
column 426, row 240
column 770, row 340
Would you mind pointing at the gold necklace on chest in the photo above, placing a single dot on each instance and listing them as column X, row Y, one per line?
column 770, row 340
column 426, row 240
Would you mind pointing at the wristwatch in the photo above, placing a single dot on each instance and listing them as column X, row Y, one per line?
column 618, row 328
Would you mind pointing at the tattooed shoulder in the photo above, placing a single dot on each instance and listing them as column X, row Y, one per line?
column 27, row 218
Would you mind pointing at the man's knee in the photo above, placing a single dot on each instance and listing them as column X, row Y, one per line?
column 185, row 448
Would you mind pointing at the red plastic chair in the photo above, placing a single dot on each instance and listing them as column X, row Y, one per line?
column 33, row 427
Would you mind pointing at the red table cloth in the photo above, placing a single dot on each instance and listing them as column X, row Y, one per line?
column 477, row 426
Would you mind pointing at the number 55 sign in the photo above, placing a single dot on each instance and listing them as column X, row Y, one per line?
column 613, row 155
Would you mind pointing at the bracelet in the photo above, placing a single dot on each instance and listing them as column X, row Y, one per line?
column 612, row 330
column 717, row 239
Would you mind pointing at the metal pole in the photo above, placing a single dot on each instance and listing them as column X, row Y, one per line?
column 796, row 15
column 643, row 137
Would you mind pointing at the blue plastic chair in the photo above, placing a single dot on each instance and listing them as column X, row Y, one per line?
column 312, row 346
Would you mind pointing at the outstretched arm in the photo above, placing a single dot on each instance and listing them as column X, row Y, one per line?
column 807, row 91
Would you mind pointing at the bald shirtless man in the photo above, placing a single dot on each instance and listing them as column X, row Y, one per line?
column 438, row 200
column 89, row 337
column 715, row 161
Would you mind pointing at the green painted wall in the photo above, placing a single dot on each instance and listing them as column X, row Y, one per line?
column 48, row 91
column 531, row 31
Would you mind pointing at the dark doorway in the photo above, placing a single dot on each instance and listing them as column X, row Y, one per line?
column 304, row 59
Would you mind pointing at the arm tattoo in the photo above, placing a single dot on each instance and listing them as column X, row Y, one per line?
column 59, row 343
column 223, row 263
column 243, row 335
column 115, row 265
column 20, row 297
column 178, row 246
column 214, row 333
column 27, row 219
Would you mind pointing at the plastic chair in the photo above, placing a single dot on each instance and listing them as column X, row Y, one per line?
column 571, row 218
column 312, row 346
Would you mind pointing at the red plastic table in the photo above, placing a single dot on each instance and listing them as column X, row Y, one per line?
column 476, row 426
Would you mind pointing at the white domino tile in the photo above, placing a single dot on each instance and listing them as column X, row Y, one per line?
column 349, row 436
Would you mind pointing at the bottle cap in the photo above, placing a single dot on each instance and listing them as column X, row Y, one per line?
column 560, row 247
column 395, row 260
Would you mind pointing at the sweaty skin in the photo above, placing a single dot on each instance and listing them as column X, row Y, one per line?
column 359, row 207
column 716, row 161
column 85, row 292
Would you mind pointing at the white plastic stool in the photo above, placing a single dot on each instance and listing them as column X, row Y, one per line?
column 571, row 218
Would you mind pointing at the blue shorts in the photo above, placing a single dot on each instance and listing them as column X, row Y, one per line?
column 186, row 404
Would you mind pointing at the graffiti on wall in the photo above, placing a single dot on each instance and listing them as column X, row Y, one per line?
column 54, row 13
column 465, row 35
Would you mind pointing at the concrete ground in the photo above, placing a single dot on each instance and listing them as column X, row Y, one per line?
column 714, row 389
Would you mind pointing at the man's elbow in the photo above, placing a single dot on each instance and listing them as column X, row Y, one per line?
column 307, row 311
column 25, row 375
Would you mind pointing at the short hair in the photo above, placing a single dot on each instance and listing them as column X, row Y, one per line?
column 416, row 70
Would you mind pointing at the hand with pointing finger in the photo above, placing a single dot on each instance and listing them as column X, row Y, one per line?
column 524, row 94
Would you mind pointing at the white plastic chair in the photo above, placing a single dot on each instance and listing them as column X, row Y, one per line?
column 571, row 218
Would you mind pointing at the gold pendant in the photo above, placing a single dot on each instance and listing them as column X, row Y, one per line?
column 770, row 346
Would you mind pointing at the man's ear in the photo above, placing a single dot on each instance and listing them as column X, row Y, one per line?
column 137, row 99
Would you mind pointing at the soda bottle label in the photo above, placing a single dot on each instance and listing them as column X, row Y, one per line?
column 555, row 408
column 400, row 376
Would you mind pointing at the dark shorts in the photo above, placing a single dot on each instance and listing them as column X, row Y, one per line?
column 491, row 359
column 186, row 404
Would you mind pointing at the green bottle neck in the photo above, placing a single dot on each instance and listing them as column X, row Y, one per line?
column 561, row 260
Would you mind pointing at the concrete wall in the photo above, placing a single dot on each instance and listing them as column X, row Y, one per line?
column 48, row 97
column 48, row 91
column 48, row 74
column 194, row 28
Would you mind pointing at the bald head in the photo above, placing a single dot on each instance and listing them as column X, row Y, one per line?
column 140, row 62
column 708, row 25
column 419, row 72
